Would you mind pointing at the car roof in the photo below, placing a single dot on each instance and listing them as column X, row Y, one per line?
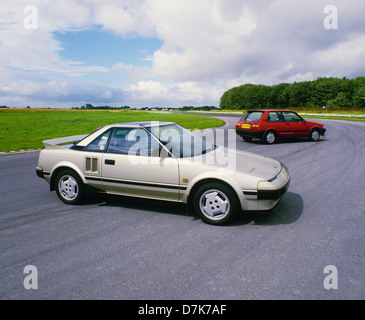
column 269, row 110
column 137, row 124
column 141, row 124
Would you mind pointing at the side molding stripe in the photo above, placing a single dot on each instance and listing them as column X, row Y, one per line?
column 135, row 183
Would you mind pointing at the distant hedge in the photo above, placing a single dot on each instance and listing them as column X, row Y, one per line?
column 329, row 92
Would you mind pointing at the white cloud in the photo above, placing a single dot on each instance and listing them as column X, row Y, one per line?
column 115, row 17
column 201, row 38
column 38, row 49
column 21, row 89
column 122, row 66
column 208, row 46
column 341, row 59
column 155, row 93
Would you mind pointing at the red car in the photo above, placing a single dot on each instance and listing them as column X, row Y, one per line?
column 270, row 125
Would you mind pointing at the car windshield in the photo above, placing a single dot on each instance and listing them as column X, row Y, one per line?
column 182, row 143
column 252, row 116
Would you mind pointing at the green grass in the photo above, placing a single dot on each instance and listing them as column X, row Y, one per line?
column 315, row 113
column 334, row 117
column 24, row 129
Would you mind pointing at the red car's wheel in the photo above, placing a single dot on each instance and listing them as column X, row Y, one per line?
column 314, row 135
column 270, row 137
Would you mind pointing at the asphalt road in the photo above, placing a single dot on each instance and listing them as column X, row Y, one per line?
column 119, row 248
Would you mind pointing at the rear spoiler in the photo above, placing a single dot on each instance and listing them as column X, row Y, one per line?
column 55, row 143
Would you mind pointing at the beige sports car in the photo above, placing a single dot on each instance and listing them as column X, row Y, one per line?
column 164, row 161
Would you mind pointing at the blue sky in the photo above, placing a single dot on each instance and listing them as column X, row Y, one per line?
column 104, row 48
column 170, row 53
column 100, row 47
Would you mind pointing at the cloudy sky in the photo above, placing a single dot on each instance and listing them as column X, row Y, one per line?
column 170, row 53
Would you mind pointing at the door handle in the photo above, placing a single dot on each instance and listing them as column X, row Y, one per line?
column 109, row 162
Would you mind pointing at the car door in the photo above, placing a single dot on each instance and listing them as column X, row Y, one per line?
column 131, row 167
column 275, row 120
column 295, row 124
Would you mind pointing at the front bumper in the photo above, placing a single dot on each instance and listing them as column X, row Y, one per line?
column 268, row 192
column 274, row 188
column 272, row 194
column 323, row 131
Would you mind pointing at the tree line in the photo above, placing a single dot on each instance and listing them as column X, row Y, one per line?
column 322, row 92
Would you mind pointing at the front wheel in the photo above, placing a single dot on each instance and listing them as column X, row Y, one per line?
column 69, row 187
column 215, row 203
column 314, row 135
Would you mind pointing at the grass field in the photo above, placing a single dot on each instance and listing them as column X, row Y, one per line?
column 316, row 113
column 24, row 129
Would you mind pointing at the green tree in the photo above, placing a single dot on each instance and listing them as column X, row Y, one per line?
column 279, row 97
column 300, row 94
column 327, row 89
column 359, row 97
column 340, row 92
column 340, row 101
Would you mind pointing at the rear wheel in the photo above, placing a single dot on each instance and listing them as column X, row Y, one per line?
column 270, row 137
column 215, row 203
column 69, row 187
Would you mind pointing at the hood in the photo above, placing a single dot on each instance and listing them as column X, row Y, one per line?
column 314, row 124
column 246, row 162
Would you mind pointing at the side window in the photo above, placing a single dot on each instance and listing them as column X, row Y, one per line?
column 291, row 117
column 275, row 117
column 100, row 143
column 135, row 142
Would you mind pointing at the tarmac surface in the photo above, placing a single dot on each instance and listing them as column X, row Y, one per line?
column 129, row 249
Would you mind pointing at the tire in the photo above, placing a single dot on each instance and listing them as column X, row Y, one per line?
column 314, row 135
column 270, row 137
column 215, row 203
column 247, row 139
column 69, row 187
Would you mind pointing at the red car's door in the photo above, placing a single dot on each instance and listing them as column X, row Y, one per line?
column 275, row 120
column 294, row 124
